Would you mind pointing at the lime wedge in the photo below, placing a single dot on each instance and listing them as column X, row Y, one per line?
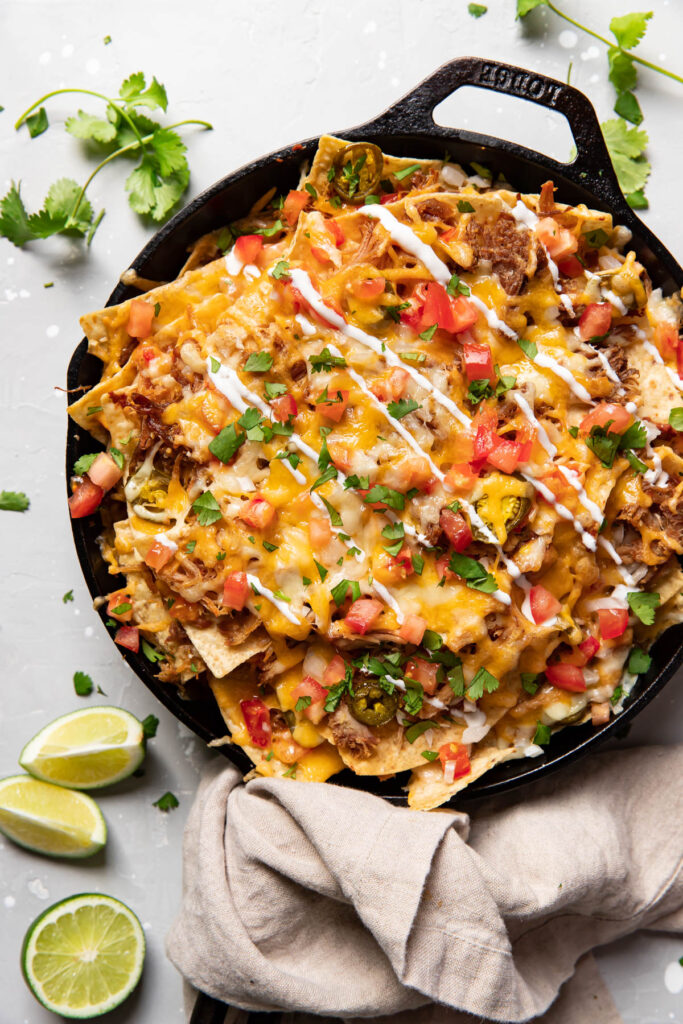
column 49, row 819
column 84, row 955
column 86, row 749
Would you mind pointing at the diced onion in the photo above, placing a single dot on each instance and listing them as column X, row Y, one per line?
column 449, row 772
column 314, row 663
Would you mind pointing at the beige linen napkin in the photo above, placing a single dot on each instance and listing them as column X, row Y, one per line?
column 316, row 898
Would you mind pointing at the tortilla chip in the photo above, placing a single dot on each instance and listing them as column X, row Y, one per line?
column 97, row 396
column 220, row 657
column 657, row 393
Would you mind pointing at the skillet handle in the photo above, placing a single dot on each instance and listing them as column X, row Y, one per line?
column 592, row 167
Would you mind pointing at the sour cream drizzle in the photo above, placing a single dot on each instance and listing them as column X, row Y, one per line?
column 281, row 606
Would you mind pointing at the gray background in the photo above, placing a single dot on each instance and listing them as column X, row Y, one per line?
column 265, row 74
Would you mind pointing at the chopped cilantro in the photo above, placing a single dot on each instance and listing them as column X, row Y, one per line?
column 418, row 563
column 69, row 596
column 413, row 357
column 616, row 695
column 151, row 653
column 529, row 347
column 302, row 703
column 474, row 574
column 83, row 684
column 402, row 408
column 167, row 802
column 542, row 734
column 415, row 730
column 483, row 680
column 274, row 390
column 676, row 418
column 83, row 464
column 270, row 547
column 430, row 755
column 150, row 725
column 322, row 571
column 258, row 362
column 643, row 606
column 206, row 509
column 13, row 501
column 339, row 592
column 335, row 518
column 386, row 495
column 530, row 682
column 639, row 661
column 456, row 285
column 226, row 444
column 280, row 270
column 395, row 311
column 464, row 206
column 428, row 334
column 596, row 239
column 406, row 172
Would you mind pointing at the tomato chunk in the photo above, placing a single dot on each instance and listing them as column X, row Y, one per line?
column 310, row 687
column 322, row 255
column 604, row 413
column 478, row 363
column 120, row 600
column 283, row 407
column 236, row 591
column 544, row 605
column 295, row 202
column 589, row 647
column 613, row 622
column 456, row 528
column 559, row 242
column 85, row 499
column 128, row 637
column 566, row 677
column 504, row 454
column 247, row 248
column 571, row 267
column 424, row 672
column 369, row 289
column 412, row 629
column 257, row 513
column 140, row 317
column 335, row 671
column 158, row 555
column 334, row 405
column 460, row 478
column 455, row 761
column 595, row 320
column 362, row 614
column 257, row 720
column 104, row 472
column 335, row 230
column 666, row 338
column 452, row 314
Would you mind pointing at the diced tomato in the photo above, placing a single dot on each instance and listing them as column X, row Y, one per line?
column 294, row 203
column 140, row 317
column 362, row 614
column 257, row 513
column 600, row 713
column 128, row 637
column 120, row 600
column 104, row 472
column 452, row 314
column 424, row 672
column 456, row 529
column 340, row 454
column 478, row 363
column 442, row 569
column 335, row 230
column 613, row 622
column 334, row 406
column 666, row 338
column 158, row 555
column 571, row 267
column 319, row 532
column 589, row 647
column 85, row 499
column 335, row 671
column 322, row 255
column 257, row 720
column 369, row 289
column 410, row 472
column 283, row 407
column 566, row 677
column 504, row 454
column 391, row 387
column 310, row 687
column 389, row 197
column 460, row 478
column 526, row 437
column 214, row 410
column 559, row 242
column 248, row 247
column 595, row 320
column 455, row 761
column 402, row 563
column 412, row 629
column 604, row 413
column 544, row 605
column 236, row 591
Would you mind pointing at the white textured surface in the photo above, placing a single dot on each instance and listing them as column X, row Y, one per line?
column 265, row 74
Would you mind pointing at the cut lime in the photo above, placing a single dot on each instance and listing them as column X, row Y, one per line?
column 83, row 956
column 49, row 819
column 86, row 749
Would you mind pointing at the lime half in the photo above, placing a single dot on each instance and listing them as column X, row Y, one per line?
column 84, row 955
column 86, row 749
column 49, row 819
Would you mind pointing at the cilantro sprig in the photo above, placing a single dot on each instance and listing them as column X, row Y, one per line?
column 154, row 186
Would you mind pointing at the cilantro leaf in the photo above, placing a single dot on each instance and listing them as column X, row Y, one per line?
column 637, row 200
column 280, row 270
column 406, row 172
column 643, row 605
column 676, row 418
column 639, row 661
column 616, row 695
column 464, row 206
column 530, row 682
column 207, row 509
column 603, row 444
column 87, row 126
column 226, row 444
column 13, row 501
column 413, row 698
column 259, row 362
column 167, row 802
column 325, row 361
column 430, row 755
column 329, row 474
column 524, row 7
column 483, row 680
column 322, row 571
column 339, row 591
column 622, row 70
column 83, row 684
column 628, row 107
column 136, row 93
column 149, row 726
column 83, row 464
column 634, row 437
column 474, row 574
column 529, row 347
column 626, row 146
column 274, row 390
column 401, row 408
column 303, row 703
column 630, row 28
column 386, row 495
column 68, row 597
column 476, row 10
column 151, row 653
column 14, row 223
column 37, row 123
column 335, row 518
column 542, row 734
column 416, row 729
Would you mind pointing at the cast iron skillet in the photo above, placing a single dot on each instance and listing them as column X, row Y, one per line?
column 405, row 129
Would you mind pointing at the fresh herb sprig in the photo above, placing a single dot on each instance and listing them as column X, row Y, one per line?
column 154, row 186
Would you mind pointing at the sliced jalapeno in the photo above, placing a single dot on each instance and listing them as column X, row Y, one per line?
column 357, row 171
column 513, row 508
column 372, row 705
